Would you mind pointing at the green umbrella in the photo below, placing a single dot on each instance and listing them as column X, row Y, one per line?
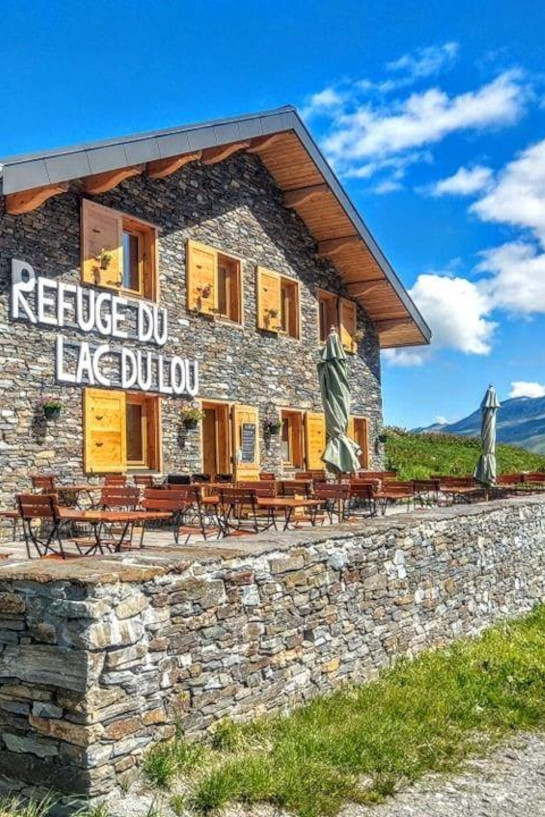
column 485, row 471
column 341, row 453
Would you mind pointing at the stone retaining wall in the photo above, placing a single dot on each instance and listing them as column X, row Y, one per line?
column 100, row 658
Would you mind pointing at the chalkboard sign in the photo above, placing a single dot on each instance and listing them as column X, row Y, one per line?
column 247, row 445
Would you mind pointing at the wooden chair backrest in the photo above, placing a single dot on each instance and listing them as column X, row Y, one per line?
column 224, row 478
column 113, row 496
column 144, row 480
column 457, row 482
column 427, row 485
column 534, row 476
column 238, row 496
column 115, row 479
column 509, row 479
column 294, row 487
column 38, row 506
column 267, row 475
column 157, row 500
column 361, row 489
column 265, row 489
column 44, row 483
column 332, row 490
column 318, row 475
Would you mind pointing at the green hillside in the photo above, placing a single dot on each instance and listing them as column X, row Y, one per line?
column 418, row 456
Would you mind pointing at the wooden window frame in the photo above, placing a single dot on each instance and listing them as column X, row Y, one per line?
column 217, row 254
column 227, row 407
column 147, row 234
column 366, row 451
column 151, row 431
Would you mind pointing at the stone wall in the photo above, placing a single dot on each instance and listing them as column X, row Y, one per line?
column 234, row 205
column 101, row 658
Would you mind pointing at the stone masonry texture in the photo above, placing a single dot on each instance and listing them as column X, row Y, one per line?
column 102, row 658
column 234, row 206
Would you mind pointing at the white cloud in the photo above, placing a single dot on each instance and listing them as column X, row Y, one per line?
column 425, row 62
column 517, row 277
column 368, row 132
column 525, row 388
column 440, row 421
column 458, row 314
column 465, row 182
column 518, row 197
column 323, row 103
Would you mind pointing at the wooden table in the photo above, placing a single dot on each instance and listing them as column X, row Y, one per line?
column 125, row 519
column 288, row 505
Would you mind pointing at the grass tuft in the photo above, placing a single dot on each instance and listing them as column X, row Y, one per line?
column 361, row 743
column 166, row 760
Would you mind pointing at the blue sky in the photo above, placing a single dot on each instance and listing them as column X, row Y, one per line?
column 433, row 115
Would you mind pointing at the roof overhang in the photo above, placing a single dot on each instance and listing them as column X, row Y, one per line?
column 286, row 148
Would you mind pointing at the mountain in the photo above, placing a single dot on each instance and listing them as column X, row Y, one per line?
column 521, row 421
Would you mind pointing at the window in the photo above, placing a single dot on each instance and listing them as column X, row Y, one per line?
column 214, row 283
column 340, row 313
column 277, row 303
column 121, row 431
column 358, row 430
column 118, row 251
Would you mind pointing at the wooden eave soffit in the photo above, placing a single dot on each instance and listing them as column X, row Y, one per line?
column 393, row 323
column 261, row 143
column 332, row 246
column 27, row 200
column 294, row 198
column 358, row 289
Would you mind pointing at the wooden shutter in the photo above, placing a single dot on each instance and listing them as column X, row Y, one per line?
column 202, row 278
column 245, row 415
column 347, row 324
column 105, row 431
column 268, row 300
column 315, row 439
column 351, row 429
column 102, row 233
column 361, row 436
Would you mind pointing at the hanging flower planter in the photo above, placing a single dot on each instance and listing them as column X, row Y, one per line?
column 51, row 407
column 191, row 416
column 272, row 426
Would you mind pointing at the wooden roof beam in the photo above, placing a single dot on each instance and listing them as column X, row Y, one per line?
column 212, row 156
column 332, row 246
column 102, row 182
column 294, row 198
column 161, row 168
column 386, row 325
column 27, row 200
column 261, row 143
column 362, row 288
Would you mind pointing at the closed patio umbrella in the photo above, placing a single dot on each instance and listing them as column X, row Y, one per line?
column 485, row 471
column 341, row 453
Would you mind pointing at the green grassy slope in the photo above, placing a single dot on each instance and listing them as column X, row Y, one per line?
column 417, row 456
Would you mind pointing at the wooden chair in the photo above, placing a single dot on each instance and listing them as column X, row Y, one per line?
column 395, row 492
column 317, row 475
column 294, row 487
column 239, row 508
column 115, row 479
column 190, row 515
column 43, row 483
column 107, row 535
column 119, row 497
column 334, row 496
column 266, row 476
column 427, row 491
column 200, row 478
column 224, row 478
column 362, row 498
column 40, row 517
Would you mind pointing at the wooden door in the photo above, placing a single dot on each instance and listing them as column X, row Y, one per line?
column 246, row 442
column 209, row 442
column 361, row 436
column 315, row 439
column 105, row 431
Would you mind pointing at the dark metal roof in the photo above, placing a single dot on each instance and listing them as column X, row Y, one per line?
column 18, row 173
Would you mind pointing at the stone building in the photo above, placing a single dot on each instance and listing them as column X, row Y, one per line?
column 199, row 267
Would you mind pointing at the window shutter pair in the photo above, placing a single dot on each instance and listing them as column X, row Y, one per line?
column 102, row 245
column 269, row 300
column 105, row 431
column 347, row 324
column 244, row 468
column 315, row 438
column 202, row 278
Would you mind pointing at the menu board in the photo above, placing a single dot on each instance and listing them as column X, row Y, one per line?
column 248, row 439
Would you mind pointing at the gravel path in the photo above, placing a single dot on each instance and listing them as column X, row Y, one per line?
column 509, row 783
